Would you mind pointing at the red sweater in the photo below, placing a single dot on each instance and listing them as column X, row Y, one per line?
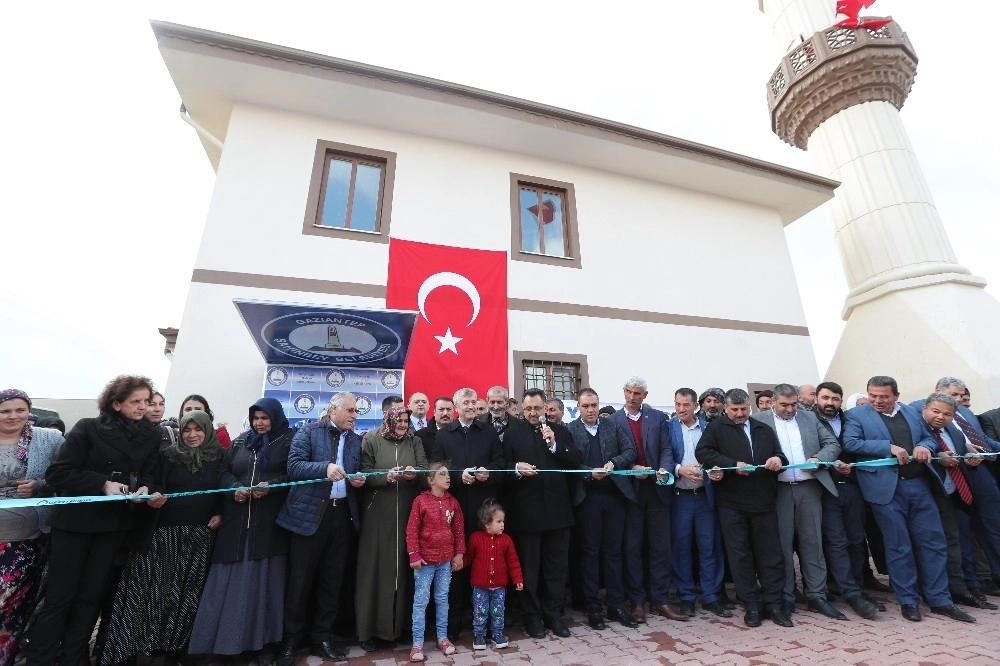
column 492, row 559
column 435, row 532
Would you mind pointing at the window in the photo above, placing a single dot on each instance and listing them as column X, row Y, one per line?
column 558, row 375
column 544, row 228
column 350, row 194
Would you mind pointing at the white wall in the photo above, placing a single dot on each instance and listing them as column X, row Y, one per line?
column 644, row 246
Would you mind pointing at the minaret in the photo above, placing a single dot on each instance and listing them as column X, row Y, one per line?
column 912, row 310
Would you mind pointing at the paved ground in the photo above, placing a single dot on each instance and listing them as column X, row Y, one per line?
column 705, row 639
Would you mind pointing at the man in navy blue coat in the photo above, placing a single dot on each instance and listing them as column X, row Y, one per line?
column 902, row 497
column 322, row 517
column 692, row 518
column 647, row 520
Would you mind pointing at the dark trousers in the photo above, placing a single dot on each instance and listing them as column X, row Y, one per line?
column 602, row 517
column 956, row 522
column 753, row 548
column 544, row 557
column 647, row 523
column 79, row 574
column 316, row 568
column 844, row 538
column 693, row 524
column 915, row 544
column 876, row 543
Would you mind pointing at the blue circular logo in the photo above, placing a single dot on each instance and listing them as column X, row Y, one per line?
column 390, row 380
column 304, row 404
column 277, row 376
column 335, row 378
column 364, row 405
column 320, row 337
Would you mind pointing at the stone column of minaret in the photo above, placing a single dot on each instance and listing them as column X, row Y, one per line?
column 912, row 310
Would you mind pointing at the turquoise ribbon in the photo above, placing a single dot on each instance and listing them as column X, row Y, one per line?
column 87, row 499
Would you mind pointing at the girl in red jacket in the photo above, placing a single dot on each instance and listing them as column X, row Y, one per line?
column 494, row 563
column 435, row 541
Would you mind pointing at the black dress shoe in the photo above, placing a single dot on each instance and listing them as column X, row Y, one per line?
column 328, row 651
column 621, row 617
column 716, row 608
column 970, row 600
column 729, row 603
column 752, row 617
column 286, row 657
column 954, row 613
column 876, row 585
column 370, row 645
column 821, row 605
column 687, row 607
column 787, row 608
column 878, row 604
column 556, row 626
column 863, row 607
column 990, row 588
column 910, row 612
column 534, row 629
column 595, row 620
column 778, row 616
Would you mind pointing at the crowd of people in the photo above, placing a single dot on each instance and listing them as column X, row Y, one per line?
column 319, row 531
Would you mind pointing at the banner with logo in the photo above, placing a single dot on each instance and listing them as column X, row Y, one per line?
column 318, row 335
column 305, row 391
column 460, row 337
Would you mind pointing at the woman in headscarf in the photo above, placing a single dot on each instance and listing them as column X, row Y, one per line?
column 25, row 453
column 114, row 454
column 241, row 606
column 158, row 595
column 384, row 581
column 855, row 400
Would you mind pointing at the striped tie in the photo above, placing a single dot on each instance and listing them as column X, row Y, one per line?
column 961, row 485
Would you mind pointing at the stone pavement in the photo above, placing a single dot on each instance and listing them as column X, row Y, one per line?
column 706, row 639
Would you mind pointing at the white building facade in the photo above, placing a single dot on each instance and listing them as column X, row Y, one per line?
column 663, row 238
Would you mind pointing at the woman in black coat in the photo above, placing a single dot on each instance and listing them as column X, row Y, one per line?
column 242, row 604
column 114, row 454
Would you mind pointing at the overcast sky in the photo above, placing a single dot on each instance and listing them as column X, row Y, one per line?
column 105, row 190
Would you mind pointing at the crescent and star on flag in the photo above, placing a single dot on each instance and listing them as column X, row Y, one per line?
column 449, row 342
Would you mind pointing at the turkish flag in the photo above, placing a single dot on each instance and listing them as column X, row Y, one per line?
column 460, row 339
column 548, row 211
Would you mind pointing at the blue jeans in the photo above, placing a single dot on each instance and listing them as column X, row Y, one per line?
column 488, row 604
column 440, row 576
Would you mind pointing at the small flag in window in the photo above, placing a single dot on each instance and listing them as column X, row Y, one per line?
column 548, row 211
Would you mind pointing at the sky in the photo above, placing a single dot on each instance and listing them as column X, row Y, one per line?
column 105, row 190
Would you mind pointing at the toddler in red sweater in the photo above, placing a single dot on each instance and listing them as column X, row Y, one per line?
column 494, row 564
column 435, row 541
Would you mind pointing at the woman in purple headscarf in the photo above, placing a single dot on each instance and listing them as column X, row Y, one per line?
column 383, row 612
column 25, row 453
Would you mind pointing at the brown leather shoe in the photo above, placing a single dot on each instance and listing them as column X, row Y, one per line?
column 639, row 613
column 667, row 612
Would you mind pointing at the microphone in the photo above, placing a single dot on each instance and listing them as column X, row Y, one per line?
column 541, row 424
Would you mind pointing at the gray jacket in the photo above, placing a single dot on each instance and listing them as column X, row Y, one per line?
column 616, row 447
column 44, row 442
column 817, row 442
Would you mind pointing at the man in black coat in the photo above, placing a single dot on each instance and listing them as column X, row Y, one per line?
column 746, row 504
column 473, row 447
column 541, row 511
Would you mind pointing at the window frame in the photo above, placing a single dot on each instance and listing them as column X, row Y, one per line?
column 317, row 191
column 571, row 229
column 579, row 360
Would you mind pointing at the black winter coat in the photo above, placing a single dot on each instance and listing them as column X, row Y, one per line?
column 545, row 501
column 96, row 451
column 723, row 445
column 254, row 519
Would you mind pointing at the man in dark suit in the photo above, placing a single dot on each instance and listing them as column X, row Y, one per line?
column 600, row 501
column 647, row 521
column 444, row 414
column 844, row 513
column 323, row 519
column 955, row 499
column 692, row 515
column 541, row 511
column 902, row 496
column 746, row 503
column 800, row 495
column 471, row 446
column 990, row 423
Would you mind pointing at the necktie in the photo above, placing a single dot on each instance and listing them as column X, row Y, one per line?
column 961, row 485
column 420, row 424
column 971, row 433
column 499, row 425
